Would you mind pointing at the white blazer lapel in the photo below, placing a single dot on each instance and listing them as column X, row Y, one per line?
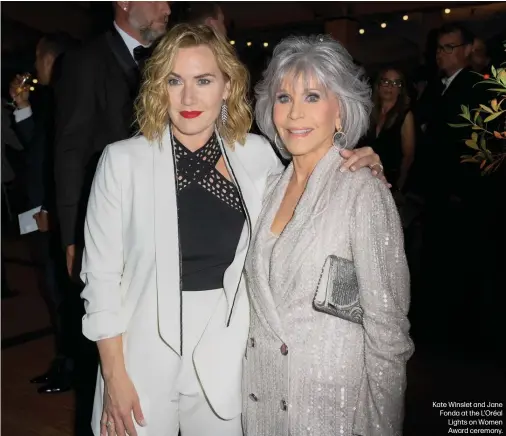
column 166, row 240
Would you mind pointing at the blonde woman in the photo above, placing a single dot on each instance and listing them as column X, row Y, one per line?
column 168, row 226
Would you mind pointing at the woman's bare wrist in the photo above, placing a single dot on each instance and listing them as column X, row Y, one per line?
column 111, row 357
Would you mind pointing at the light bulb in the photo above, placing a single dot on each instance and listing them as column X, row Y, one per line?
column 232, row 42
column 447, row 11
column 405, row 18
column 383, row 25
column 248, row 44
column 266, row 44
column 361, row 31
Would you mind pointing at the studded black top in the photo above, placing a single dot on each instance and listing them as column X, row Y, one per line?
column 211, row 217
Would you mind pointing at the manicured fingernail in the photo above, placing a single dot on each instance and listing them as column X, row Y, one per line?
column 375, row 173
column 353, row 168
column 343, row 169
column 143, row 423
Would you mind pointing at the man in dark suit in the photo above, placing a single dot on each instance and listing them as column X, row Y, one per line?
column 453, row 53
column 95, row 100
column 34, row 126
column 454, row 191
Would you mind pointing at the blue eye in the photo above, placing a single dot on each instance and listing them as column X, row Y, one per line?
column 283, row 98
column 174, row 82
column 313, row 98
column 204, row 82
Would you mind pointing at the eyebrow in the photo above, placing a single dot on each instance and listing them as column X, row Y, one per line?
column 200, row 76
column 307, row 90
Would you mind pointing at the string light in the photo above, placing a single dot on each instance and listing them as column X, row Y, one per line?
column 361, row 31
column 232, row 42
column 447, row 11
column 405, row 18
column 266, row 44
column 32, row 88
column 383, row 25
column 35, row 81
column 248, row 43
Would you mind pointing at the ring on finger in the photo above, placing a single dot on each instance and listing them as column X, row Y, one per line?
column 377, row 165
column 109, row 424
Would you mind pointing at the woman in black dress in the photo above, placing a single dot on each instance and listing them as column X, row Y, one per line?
column 392, row 128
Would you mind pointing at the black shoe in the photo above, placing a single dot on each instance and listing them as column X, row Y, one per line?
column 56, row 386
column 44, row 378
column 56, row 371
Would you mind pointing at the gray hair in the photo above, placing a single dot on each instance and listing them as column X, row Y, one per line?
column 332, row 66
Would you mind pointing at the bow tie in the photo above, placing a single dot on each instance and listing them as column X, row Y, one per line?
column 142, row 54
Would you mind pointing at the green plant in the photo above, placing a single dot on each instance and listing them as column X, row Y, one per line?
column 487, row 143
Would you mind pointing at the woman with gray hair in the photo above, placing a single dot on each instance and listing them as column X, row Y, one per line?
column 326, row 272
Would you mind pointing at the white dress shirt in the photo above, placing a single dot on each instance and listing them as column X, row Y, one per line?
column 447, row 81
column 22, row 114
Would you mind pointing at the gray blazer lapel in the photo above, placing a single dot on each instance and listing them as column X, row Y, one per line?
column 300, row 234
column 260, row 292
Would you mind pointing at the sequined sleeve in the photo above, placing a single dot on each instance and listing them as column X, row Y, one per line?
column 383, row 275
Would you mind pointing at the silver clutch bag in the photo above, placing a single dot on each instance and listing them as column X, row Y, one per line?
column 337, row 293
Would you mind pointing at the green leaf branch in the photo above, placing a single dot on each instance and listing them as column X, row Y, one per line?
column 483, row 138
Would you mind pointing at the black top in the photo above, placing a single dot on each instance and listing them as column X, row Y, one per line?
column 210, row 215
column 388, row 145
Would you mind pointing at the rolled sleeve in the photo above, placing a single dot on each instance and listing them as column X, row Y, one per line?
column 103, row 263
column 383, row 275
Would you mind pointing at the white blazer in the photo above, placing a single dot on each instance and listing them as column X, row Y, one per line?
column 131, row 265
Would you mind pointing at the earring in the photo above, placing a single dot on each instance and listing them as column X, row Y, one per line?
column 339, row 139
column 224, row 113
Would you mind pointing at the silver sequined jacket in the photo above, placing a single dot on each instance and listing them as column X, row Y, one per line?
column 310, row 373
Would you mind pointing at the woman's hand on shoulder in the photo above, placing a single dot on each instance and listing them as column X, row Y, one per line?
column 361, row 158
column 121, row 402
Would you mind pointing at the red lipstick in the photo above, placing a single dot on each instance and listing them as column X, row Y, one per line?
column 190, row 114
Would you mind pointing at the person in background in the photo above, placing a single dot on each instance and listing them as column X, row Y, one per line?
column 208, row 13
column 34, row 116
column 392, row 132
column 480, row 59
column 454, row 197
column 9, row 139
column 95, row 107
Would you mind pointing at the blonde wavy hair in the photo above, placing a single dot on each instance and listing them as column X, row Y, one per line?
column 152, row 105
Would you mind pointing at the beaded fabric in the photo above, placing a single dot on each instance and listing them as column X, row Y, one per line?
column 199, row 167
column 308, row 373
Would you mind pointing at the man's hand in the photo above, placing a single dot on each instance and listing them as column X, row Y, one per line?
column 41, row 218
column 363, row 157
column 19, row 92
column 71, row 254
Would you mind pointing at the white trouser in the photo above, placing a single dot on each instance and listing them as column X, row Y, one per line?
column 171, row 397
column 189, row 409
